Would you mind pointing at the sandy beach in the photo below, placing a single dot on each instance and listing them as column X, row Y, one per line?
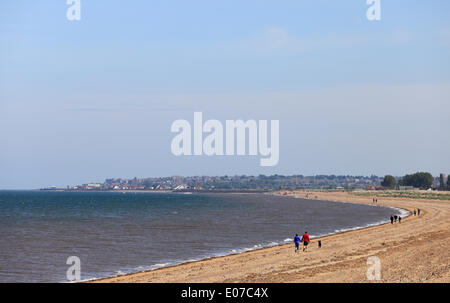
column 416, row 250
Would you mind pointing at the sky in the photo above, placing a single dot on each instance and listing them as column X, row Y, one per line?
column 89, row 99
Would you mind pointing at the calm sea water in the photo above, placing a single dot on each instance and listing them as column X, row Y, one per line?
column 115, row 233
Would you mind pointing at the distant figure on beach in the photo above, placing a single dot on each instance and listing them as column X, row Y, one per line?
column 395, row 218
column 414, row 212
column 392, row 219
column 320, row 244
column 418, row 211
column 297, row 242
column 399, row 219
column 305, row 239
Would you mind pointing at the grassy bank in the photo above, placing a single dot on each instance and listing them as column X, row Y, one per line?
column 412, row 194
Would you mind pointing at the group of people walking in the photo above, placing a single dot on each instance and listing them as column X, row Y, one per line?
column 305, row 239
column 394, row 218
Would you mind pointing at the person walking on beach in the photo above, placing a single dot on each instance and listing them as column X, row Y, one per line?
column 392, row 219
column 414, row 212
column 297, row 242
column 418, row 211
column 395, row 218
column 399, row 219
column 305, row 239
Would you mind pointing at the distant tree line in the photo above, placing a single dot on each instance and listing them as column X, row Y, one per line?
column 421, row 180
column 442, row 182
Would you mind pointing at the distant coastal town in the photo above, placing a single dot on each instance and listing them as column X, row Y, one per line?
column 263, row 183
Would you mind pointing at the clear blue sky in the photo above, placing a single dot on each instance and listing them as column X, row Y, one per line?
column 81, row 101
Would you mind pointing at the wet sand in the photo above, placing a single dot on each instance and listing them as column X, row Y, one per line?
column 416, row 250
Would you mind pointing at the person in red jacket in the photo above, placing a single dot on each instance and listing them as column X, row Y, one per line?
column 306, row 240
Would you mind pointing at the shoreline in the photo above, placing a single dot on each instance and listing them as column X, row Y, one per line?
column 259, row 248
column 165, row 274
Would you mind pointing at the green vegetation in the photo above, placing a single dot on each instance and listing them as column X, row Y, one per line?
column 418, row 180
column 442, row 181
column 412, row 194
column 389, row 182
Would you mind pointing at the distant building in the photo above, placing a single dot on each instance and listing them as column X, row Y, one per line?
column 180, row 187
column 94, row 185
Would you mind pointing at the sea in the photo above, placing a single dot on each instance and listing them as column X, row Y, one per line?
column 114, row 233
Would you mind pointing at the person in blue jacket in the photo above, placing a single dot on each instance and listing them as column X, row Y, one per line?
column 297, row 242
